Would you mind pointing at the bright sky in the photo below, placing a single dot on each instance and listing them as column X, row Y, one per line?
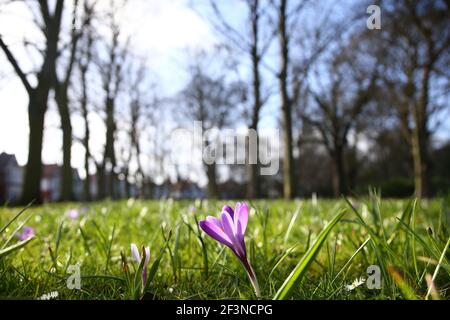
column 162, row 31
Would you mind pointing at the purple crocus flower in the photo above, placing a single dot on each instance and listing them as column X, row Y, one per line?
column 137, row 256
column 73, row 214
column 230, row 231
column 27, row 233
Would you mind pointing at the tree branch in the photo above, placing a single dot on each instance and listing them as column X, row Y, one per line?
column 16, row 66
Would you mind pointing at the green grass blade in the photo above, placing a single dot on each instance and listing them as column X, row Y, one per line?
column 13, row 234
column 436, row 271
column 405, row 217
column 17, row 246
column 15, row 218
column 58, row 237
column 420, row 240
column 406, row 290
column 299, row 271
column 283, row 257
column 108, row 250
column 413, row 239
column 347, row 264
column 291, row 224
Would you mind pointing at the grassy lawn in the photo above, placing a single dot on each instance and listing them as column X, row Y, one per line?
column 194, row 266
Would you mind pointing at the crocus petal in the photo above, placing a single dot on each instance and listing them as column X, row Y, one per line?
column 214, row 221
column 73, row 214
column 135, row 253
column 144, row 277
column 215, row 232
column 229, row 210
column 241, row 219
column 147, row 256
column 228, row 227
column 27, row 232
column 228, row 224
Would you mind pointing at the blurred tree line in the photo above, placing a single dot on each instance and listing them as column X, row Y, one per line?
column 356, row 106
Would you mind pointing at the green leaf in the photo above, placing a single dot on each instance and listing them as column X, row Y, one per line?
column 15, row 217
column 299, row 271
column 17, row 246
column 347, row 264
column 283, row 257
column 291, row 224
column 406, row 290
column 436, row 271
column 58, row 237
column 152, row 271
column 13, row 234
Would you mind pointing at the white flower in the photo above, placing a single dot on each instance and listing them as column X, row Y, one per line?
column 130, row 202
column 314, row 200
column 49, row 296
column 365, row 211
column 355, row 284
column 137, row 256
column 143, row 212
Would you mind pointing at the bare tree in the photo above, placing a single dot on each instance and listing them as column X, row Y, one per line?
column 209, row 99
column 84, row 61
column 419, row 38
column 139, row 105
column 338, row 105
column 255, row 45
column 284, row 24
column 111, row 69
column 62, row 84
column 50, row 25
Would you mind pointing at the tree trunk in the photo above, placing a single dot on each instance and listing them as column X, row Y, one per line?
column 84, row 110
column 213, row 191
column 339, row 183
column 66, row 126
column 87, row 155
column 253, row 189
column 37, row 105
column 353, row 167
column 109, row 159
column 112, row 192
column 101, row 185
column 140, row 171
column 127, row 185
column 67, row 174
column 420, row 138
column 288, row 183
column 31, row 190
column 420, row 161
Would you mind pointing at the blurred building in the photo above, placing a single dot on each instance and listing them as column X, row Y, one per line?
column 182, row 189
column 11, row 177
column 51, row 183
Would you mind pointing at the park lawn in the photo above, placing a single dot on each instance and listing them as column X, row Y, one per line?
column 194, row 266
